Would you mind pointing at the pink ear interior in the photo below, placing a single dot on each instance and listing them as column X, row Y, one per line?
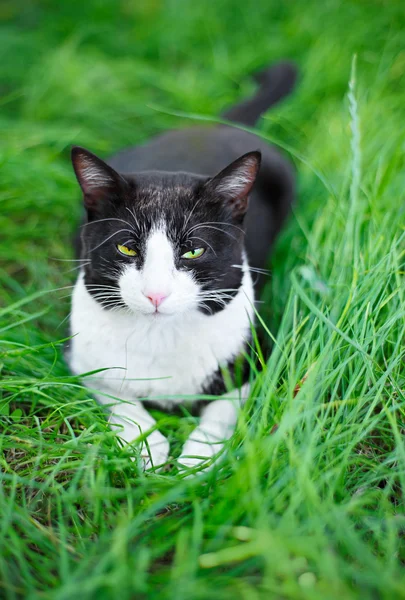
column 235, row 182
column 95, row 177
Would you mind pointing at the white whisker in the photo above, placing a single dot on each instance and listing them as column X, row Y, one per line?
column 69, row 259
column 133, row 215
column 107, row 219
column 253, row 269
column 78, row 267
column 109, row 237
column 190, row 213
column 205, row 226
column 204, row 242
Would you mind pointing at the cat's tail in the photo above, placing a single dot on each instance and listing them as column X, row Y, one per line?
column 275, row 82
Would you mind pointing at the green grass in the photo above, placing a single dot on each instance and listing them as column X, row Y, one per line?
column 309, row 501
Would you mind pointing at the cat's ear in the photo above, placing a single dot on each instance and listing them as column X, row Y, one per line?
column 97, row 180
column 235, row 182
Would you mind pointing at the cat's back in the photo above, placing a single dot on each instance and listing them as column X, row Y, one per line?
column 200, row 150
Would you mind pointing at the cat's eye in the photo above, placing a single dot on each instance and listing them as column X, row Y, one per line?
column 126, row 251
column 194, row 253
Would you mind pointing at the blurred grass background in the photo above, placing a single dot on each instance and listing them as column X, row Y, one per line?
column 309, row 500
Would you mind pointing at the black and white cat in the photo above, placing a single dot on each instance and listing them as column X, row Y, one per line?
column 165, row 299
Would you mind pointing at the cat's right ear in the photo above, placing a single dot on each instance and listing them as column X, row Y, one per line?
column 99, row 182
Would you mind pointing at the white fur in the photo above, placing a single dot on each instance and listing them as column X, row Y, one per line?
column 218, row 421
column 158, row 276
column 158, row 355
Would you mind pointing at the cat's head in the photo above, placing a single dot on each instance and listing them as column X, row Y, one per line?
column 163, row 243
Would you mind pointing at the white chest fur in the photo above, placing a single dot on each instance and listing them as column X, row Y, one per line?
column 155, row 356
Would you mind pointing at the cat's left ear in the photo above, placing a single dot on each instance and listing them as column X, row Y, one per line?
column 99, row 181
column 235, row 182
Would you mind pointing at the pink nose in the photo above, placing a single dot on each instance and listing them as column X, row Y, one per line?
column 156, row 299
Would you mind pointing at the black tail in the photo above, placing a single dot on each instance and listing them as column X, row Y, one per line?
column 275, row 82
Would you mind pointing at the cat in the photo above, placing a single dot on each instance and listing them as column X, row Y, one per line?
column 165, row 299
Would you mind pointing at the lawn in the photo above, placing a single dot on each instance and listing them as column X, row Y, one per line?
column 309, row 501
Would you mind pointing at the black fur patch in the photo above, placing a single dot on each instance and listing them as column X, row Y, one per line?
column 235, row 374
column 194, row 216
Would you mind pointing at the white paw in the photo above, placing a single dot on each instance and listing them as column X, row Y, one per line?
column 201, row 455
column 155, row 452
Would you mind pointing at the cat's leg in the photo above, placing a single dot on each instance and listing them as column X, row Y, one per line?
column 217, row 424
column 130, row 420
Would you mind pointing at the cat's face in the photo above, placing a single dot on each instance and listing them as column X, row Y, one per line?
column 163, row 243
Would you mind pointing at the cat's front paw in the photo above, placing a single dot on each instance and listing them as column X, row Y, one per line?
column 199, row 454
column 155, row 452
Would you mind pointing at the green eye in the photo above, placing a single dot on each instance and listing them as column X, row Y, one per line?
column 126, row 251
column 194, row 253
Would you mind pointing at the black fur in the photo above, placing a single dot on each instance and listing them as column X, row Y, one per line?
column 174, row 178
column 276, row 82
column 238, row 371
column 133, row 205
